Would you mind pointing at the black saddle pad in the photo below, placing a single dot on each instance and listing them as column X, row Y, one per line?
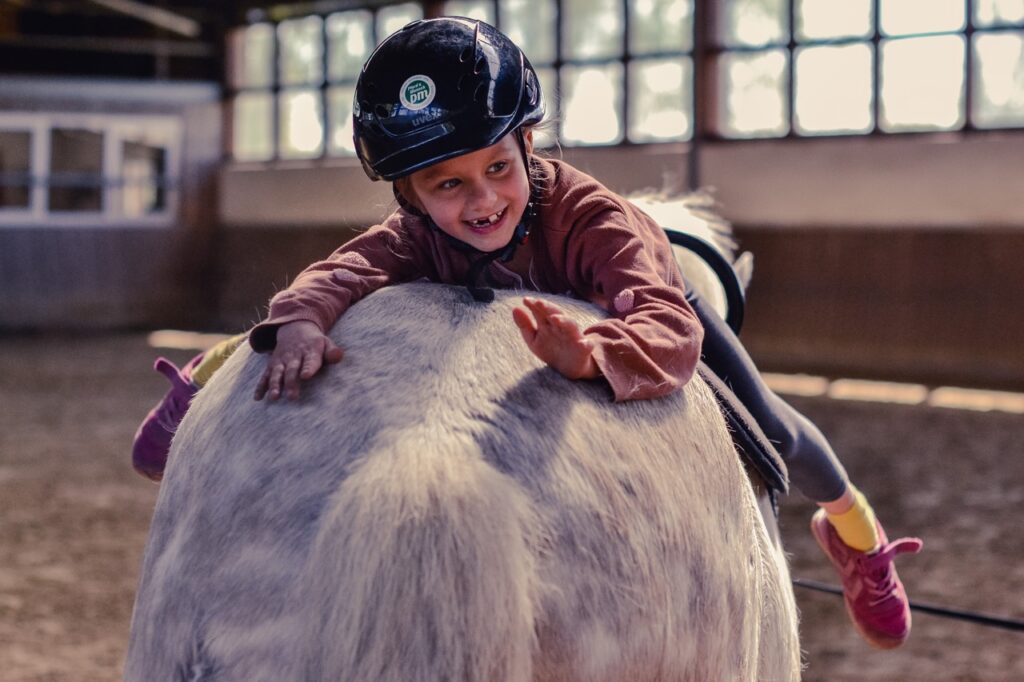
column 750, row 441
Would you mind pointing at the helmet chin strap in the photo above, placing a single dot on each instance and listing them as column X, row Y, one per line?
column 483, row 293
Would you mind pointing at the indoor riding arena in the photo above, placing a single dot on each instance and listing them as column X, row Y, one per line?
column 168, row 167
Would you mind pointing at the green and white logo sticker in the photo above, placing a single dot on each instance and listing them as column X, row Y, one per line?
column 417, row 92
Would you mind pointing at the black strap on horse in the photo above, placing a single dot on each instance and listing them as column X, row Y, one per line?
column 751, row 443
column 734, row 296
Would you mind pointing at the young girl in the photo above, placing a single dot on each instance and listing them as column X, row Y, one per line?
column 444, row 110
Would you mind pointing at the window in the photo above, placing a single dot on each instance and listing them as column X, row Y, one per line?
column 76, row 170
column 15, row 169
column 618, row 71
column 293, row 81
column 818, row 67
column 604, row 84
column 997, row 70
column 63, row 169
column 622, row 71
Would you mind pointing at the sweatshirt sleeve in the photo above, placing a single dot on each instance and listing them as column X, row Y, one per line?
column 651, row 344
column 326, row 289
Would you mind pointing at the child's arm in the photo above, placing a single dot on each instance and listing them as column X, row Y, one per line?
column 556, row 339
column 295, row 330
column 301, row 350
column 650, row 344
column 385, row 254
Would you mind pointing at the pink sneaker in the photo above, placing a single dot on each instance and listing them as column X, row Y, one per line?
column 874, row 595
column 153, row 439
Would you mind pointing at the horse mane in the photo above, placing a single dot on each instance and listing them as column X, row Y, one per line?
column 700, row 216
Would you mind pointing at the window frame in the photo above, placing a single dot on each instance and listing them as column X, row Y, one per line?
column 875, row 40
column 277, row 89
column 706, row 48
column 116, row 129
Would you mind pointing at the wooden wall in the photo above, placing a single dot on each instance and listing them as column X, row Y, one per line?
column 90, row 278
column 933, row 306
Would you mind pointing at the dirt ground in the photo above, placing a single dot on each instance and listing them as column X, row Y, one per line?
column 74, row 517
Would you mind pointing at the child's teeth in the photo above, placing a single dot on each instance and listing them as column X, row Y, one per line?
column 489, row 220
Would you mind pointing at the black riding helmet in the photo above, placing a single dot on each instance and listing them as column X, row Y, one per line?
column 439, row 88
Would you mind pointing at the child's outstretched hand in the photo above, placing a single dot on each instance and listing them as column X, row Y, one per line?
column 555, row 339
column 301, row 350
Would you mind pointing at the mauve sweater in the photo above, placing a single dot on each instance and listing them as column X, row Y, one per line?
column 586, row 241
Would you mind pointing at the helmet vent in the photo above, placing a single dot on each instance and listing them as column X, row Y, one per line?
column 480, row 94
column 382, row 111
column 480, row 65
column 466, row 53
column 531, row 87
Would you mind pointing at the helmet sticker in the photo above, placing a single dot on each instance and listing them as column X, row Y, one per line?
column 417, row 92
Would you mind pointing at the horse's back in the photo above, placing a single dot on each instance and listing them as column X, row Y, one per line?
column 441, row 506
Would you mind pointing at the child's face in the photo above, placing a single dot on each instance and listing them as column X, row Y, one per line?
column 478, row 197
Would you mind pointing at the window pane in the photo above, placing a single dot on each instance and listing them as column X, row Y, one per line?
column 15, row 168
column 825, row 19
column 302, row 128
column 349, row 42
column 922, row 83
column 999, row 78
column 547, row 136
column 339, row 110
column 474, row 9
column 531, row 25
column 591, row 28
column 752, row 22
column 660, row 26
column 251, row 52
column 302, row 51
column 753, row 94
column 660, row 99
column 833, row 89
column 76, row 170
column 144, row 174
column 995, row 12
column 592, row 102
column 252, row 125
column 902, row 17
column 394, row 17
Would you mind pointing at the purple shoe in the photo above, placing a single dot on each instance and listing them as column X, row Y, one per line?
column 153, row 439
column 874, row 595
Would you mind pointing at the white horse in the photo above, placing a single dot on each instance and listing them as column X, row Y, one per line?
column 442, row 507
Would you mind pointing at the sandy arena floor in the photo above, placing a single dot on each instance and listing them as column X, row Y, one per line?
column 74, row 517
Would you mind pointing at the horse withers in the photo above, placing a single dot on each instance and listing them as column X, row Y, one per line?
column 441, row 506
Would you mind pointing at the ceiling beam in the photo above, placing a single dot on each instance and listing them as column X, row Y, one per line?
column 170, row 48
column 175, row 23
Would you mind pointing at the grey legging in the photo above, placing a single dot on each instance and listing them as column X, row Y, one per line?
column 813, row 467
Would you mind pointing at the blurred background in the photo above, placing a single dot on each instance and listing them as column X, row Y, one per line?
column 171, row 164
column 867, row 151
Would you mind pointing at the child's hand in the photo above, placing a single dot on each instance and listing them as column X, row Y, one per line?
column 302, row 349
column 556, row 339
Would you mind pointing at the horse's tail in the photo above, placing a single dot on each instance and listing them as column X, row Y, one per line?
column 424, row 562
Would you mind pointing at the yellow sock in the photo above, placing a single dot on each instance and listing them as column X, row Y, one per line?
column 856, row 526
column 214, row 358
